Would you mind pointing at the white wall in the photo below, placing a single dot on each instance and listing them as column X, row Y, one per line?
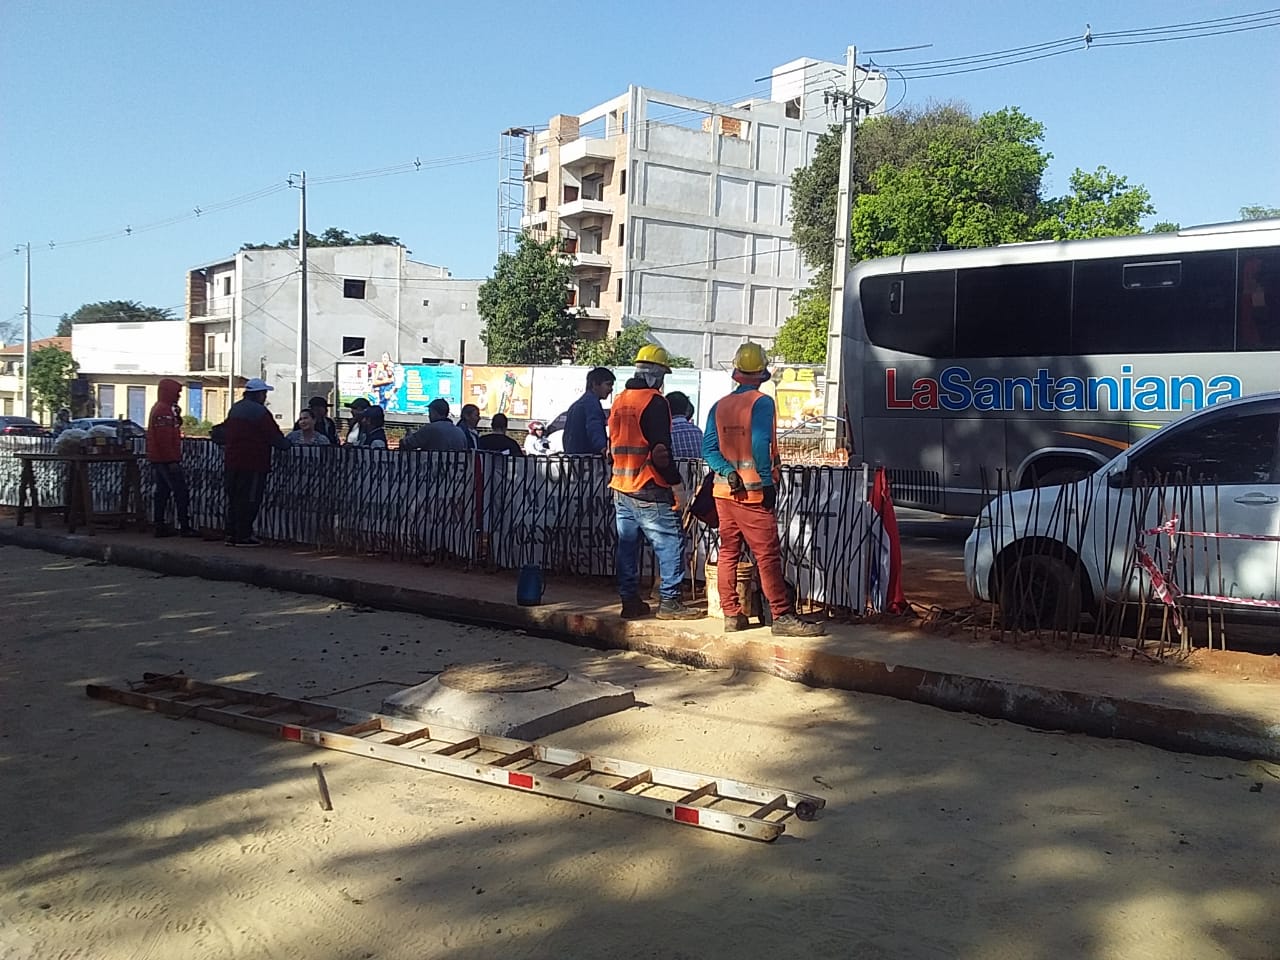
column 158, row 347
column 404, row 302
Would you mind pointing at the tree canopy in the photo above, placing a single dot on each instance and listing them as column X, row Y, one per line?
column 112, row 311
column 939, row 177
column 52, row 370
column 331, row 237
column 620, row 350
column 525, row 304
column 1258, row 212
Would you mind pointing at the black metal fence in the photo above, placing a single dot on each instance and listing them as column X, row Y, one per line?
column 498, row 512
column 1100, row 562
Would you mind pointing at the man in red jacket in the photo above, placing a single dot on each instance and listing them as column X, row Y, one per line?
column 247, row 436
column 164, row 451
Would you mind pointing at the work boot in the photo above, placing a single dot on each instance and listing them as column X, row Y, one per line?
column 162, row 530
column 633, row 608
column 739, row 621
column 789, row 625
column 672, row 609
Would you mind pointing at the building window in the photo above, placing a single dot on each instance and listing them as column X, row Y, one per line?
column 619, row 289
column 353, row 289
column 622, row 183
column 226, row 286
column 353, row 346
column 542, row 205
column 622, row 233
column 107, row 400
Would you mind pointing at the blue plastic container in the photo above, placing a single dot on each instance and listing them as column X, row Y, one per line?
column 530, row 586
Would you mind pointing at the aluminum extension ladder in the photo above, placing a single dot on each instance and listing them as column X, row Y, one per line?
column 726, row 806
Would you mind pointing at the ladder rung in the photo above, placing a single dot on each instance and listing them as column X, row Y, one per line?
column 522, row 754
column 569, row 769
column 644, row 776
column 364, row 726
column 777, row 803
column 468, row 744
column 707, row 789
column 402, row 739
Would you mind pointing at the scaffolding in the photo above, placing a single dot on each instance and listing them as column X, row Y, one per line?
column 512, row 160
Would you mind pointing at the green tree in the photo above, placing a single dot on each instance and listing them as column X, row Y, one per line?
column 52, row 370
column 9, row 331
column 525, row 304
column 1166, row 226
column 112, row 311
column 803, row 338
column 975, row 184
column 619, row 350
column 1258, row 212
column 1100, row 204
column 331, row 237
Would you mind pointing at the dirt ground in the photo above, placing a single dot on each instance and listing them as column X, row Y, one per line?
column 129, row 835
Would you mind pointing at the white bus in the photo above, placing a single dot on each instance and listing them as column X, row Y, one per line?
column 1034, row 363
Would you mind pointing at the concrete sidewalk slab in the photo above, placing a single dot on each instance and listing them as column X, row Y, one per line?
column 1164, row 705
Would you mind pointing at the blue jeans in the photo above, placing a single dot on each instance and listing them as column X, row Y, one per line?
column 661, row 528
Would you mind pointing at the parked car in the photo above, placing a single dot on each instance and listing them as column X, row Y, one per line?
column 132, row 430
column 1047, row 555
column 21, row 427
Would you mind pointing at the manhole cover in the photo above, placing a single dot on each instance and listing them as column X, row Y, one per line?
column 503, row 677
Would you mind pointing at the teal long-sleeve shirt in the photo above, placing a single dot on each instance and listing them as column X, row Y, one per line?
column 762, row 421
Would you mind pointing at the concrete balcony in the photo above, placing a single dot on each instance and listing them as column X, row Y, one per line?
column 535, row 220
column 595, row 261
column 587, row 150
column 593, row 313
column 10, row 384
column 541, row 166
column 585, row 208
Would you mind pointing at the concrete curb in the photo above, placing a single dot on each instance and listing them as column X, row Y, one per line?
column 1171, row 728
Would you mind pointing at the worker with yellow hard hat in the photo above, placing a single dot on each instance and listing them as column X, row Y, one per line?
column 741, row 445
column 648, row 492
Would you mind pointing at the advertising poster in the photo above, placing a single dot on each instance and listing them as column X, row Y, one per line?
column 797, row 392
column 505, row 390
column 400, row 388
column 712, row 385
column 555, row 388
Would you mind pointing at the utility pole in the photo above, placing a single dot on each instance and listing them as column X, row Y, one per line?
column 26, row 338
column 300, row 395
column 835, row 428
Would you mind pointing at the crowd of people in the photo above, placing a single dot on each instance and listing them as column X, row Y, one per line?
column 641, row 437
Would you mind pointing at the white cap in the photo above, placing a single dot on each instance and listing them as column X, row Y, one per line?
column 257, row 386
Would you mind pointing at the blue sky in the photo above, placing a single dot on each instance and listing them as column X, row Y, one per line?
column 131, row 114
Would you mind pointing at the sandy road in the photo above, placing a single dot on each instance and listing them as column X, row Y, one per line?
column 128, row 835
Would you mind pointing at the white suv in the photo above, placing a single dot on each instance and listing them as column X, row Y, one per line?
column 1049, row 554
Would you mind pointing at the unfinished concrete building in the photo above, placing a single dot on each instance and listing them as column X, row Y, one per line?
column 677, row 210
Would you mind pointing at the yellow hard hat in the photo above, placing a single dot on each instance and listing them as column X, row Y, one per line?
column 750, row 358
column 652, row 353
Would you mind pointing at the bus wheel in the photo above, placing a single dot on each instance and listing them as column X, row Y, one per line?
column 1040, row 592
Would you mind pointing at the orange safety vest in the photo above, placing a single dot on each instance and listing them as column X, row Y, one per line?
column 632, row 468
column 733, row 431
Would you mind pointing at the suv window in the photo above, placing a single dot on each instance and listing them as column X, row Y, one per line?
column 1239, row 449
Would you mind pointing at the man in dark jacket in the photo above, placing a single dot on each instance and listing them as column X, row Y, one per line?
column 319, row 408
column 247, row 436
column 164, row 451
column 584, row 428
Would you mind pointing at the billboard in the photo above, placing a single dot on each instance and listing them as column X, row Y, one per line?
column 555, row 388
column 400, row 388
column 797, row 391
column 494, row 389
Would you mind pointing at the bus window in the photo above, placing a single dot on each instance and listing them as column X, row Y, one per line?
column 1018, row 310
column 1154, row 306
column 913, row 313
column 1258, row 305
